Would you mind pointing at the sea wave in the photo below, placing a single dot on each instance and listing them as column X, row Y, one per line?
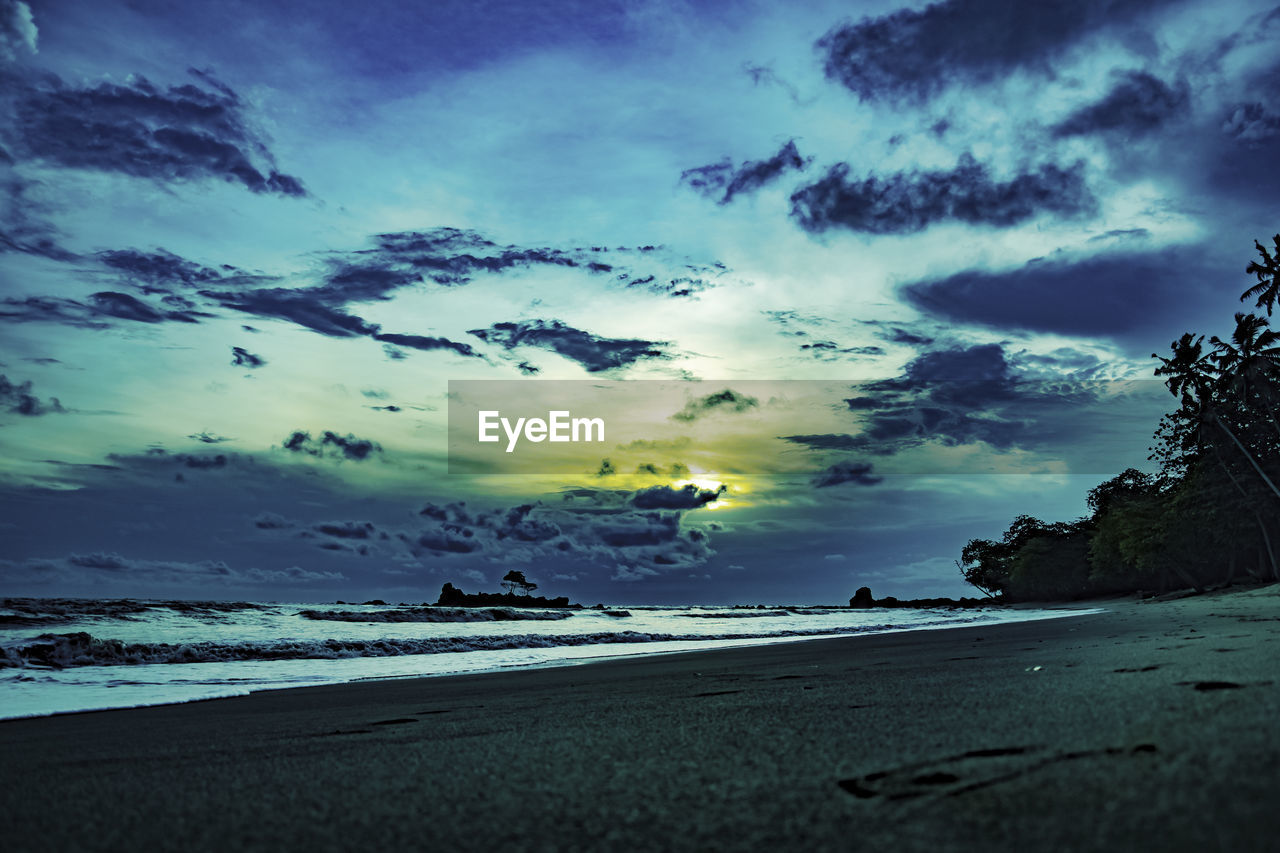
column 58, row 651
column 45, row 611
column 437, row 614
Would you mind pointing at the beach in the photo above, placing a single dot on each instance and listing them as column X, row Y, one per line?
column 1151, row 724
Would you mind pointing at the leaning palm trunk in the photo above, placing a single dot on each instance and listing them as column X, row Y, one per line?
column 1247, row 455
column 1262, row 525
column 1266, row 538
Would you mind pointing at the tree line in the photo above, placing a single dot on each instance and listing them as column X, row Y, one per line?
column 1211, row 512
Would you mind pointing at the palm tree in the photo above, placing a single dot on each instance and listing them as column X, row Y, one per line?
column 1189, row 370
column 1267, row 290
column 1250, row 363
column 1192, row 377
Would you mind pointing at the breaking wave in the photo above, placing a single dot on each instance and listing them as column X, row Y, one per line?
column 83, row 649
column 46, row 611
column 437, row 614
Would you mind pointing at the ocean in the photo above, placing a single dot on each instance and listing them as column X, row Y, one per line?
column 68, row 655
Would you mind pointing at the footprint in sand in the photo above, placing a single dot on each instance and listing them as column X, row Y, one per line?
column 968, row 771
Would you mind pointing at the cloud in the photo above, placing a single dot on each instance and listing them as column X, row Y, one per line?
column 686, row 497
column 18, row 33
column 825, row 441
column 912, row 54
column 112, row 568
column 907, row 202
column 314, row 309
column 764, row 75
column 179, row 133
column 20, row 401
column 453, row 257
column 201, row 462
column 348, row 530
column 831, row 351
column 448, row 256
column 1138, row 104
column 1118, row 293
column 722, row 182
column 605, row 527
column 727, row 400
column 846, row 472
column 241, row 357
column 970, row 396
column 98, row 312
column 593, row 353
column 426, row 344
column 332, row 445
column 298, row 306
column 160, row 270
column 122, row 306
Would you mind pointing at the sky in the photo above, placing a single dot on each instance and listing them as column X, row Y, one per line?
column 853, row 283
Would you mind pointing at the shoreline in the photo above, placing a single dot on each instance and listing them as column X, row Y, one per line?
column 1147, row 723
column 575, row 655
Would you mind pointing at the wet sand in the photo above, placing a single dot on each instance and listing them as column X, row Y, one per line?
column 1153, row 725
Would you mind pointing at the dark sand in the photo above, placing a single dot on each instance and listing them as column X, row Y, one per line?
column 1115, row 731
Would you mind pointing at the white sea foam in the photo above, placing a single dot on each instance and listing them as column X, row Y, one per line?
column 124, row 654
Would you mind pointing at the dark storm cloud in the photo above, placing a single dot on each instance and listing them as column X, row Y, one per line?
column 241, row 357
column 447, row 256
column 592, row 352
column 122, row 306
column 19, row 400
column 965, row 395
column 1239, row 157
column 973, row 375
column 1109, row 294
column 110, row 567
column 723, row 183
column 208, row 438
column 665, row 497
column 186, row 132
column 902, row 336
column 316, row 309
column 912, row 54
column 302, row 306
column 907, row 202
column 161, row 270
column 201, row 462
column 610, row 530
column 678, row 287
column 97, row 313
column 825, row 441
column 1138, row 104
column 831, row 351
column 349, row 530
column 331, row 444
column 426, row 344
column 453, row 257
column 727, row 400
column 858, row 473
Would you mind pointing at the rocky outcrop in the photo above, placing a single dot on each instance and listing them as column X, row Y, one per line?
column 451, row 596
column 862, row 599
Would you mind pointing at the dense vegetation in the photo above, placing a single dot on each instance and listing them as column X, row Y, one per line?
column 1210, row 513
